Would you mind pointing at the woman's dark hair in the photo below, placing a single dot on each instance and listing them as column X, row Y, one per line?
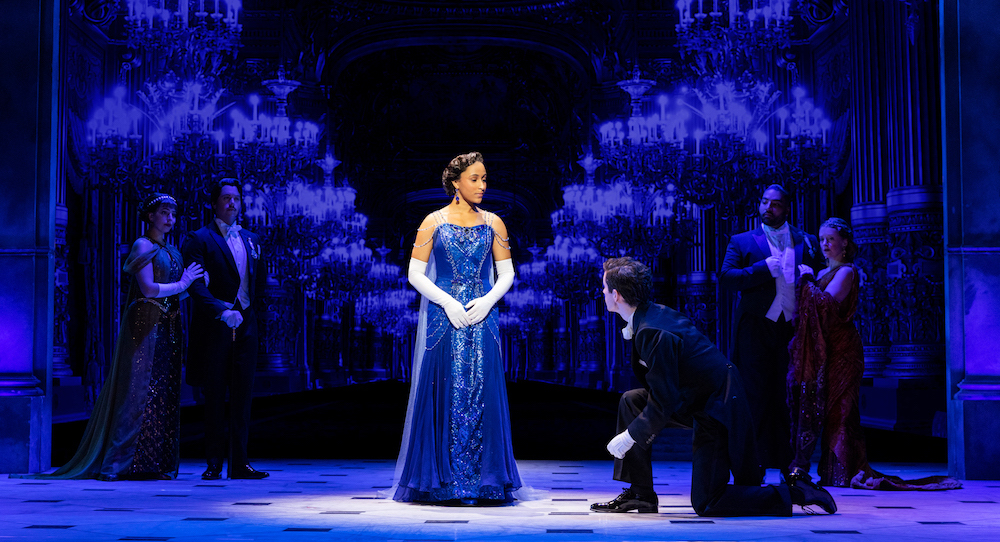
column 152, row 203
column 455, row 168
column 845, row 231
column 217, row 188
column 632, row 279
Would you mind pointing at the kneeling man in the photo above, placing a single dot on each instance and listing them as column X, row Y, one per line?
column 684, row 376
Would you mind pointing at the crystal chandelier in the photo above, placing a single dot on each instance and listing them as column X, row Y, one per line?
column 184, row 25
column 574, row 268
column 114, row 137
column 528, row 309
column 391, row 311
column 741, row 26
column 712, row 145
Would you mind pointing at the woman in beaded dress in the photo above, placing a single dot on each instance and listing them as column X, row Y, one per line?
column 824, row 374
column 456, row 445
column 133, row 432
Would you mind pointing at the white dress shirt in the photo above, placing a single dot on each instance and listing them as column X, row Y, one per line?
column 780, row 241
column 235, row 242
column 628, row 332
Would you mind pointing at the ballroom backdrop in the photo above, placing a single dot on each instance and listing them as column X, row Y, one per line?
column 610, row 127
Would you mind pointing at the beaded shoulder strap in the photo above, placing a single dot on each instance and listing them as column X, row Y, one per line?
column 439, row 218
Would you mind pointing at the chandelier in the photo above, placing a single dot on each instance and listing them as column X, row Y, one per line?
column 574, row 268
column 743, row 27
column 184, row 25
column 528, row 309
column 114, row 137
column 712, row 145
column 318, row 235
column 391, row 311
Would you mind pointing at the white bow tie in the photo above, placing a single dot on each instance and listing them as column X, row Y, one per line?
column 627, row 332
column 233, row 231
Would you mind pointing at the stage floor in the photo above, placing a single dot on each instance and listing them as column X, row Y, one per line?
column 339, row 500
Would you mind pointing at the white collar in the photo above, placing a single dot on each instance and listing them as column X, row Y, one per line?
column 780, row 229
column 629, row 331
column 224, row 228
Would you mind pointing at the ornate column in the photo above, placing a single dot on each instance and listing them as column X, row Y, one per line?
column 870, row 226
column 896, row 168
column 972, row 204
column 326, row 345
column 592, row 354
column 696, row 290
column 60, row 336
column 915, row 275
column 277, row 329
column 27, row 231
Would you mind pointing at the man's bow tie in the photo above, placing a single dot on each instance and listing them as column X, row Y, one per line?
column 627, row 332
column 234, row 231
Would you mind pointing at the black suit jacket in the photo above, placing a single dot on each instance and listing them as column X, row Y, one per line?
column 745, row 270
column 207, row 247
column 687, row 376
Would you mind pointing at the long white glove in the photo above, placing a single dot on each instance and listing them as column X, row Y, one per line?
column 621, row 444
column 193, row 272
column 479, row 308
column 452, row 308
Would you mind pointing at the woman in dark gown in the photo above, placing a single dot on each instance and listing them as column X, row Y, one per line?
column 133, row 432
column 456, row 443
column 824, row 374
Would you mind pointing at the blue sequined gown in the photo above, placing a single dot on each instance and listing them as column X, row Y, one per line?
column 459, row 444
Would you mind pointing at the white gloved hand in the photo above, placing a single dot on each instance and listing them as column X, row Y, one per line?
column 806, row 272
column 773, row 265
column 231, row 318
column 478, row 309
column 192, row 273
column 621, row 444
column 452, row 308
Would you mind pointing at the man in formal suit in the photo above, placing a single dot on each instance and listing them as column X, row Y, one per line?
column 684, row 376
column 762, row 265
column 222, row 348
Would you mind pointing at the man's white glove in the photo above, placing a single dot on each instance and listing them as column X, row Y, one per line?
column 478, row 309
column 621, row 444
column 231, row 318
column 774, row 266
column 452, row 308
column 805, row 271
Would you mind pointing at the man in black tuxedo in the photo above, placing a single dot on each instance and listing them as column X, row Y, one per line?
column 222, row 348
column 762, row 265
column 684, row 376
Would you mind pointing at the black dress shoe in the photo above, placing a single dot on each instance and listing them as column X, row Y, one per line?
column 628, row 500
column 246, row 472
column 213, row 472
column 806, row 493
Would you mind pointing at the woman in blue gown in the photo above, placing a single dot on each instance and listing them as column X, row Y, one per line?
column 456, row 443
column 134, row 431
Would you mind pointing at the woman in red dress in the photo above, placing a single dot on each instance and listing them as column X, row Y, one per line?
column 825, row 370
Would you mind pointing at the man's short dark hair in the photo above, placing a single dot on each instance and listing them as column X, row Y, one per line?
column 226, row 181
column 632, row 279
column 785, row 196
